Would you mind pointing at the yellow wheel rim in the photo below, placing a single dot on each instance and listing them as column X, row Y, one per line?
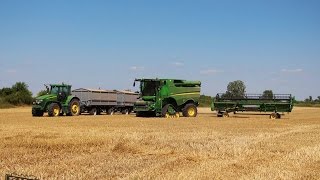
column 177, row 115
column 191, row 112
column 75, row 109
column 167, row 115
column 56, row 111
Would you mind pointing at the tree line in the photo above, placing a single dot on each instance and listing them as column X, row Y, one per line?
column 18, row 94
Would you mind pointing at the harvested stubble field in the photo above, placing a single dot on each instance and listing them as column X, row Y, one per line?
column 243, row 146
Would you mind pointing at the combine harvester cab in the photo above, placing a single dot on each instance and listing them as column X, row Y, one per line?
column 57, row 101
column 278, row 103
column 167, row 98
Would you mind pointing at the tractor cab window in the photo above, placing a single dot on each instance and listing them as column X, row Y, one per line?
column 65, row 90
column 149, row 88
column 54, row 90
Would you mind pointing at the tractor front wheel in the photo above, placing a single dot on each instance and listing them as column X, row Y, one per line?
column 54, row 109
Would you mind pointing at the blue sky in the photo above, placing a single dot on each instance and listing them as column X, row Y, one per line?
column 268, row 44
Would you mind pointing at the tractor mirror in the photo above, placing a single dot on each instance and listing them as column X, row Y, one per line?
column 134, row 83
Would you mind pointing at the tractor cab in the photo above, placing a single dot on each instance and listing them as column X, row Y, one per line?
column 62, row 91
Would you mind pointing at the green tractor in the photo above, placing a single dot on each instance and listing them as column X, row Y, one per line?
column 167, row 98
column 57, row 101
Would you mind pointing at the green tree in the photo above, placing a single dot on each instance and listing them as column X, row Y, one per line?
column 20, row 94
column 236, row 89
column 267, row 94
column 205, row 101
column 308, row 100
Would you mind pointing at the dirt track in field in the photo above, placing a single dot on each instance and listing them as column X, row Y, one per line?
column 243, row 146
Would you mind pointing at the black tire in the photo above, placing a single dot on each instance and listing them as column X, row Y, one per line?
column 93, row 111
column 110, row 111
column 54, row 109
column 190, row 110
column 125, row 111
column 74, row 107
column 220, row 114
column 278, row 116
column 164, row 110
column 273, row 116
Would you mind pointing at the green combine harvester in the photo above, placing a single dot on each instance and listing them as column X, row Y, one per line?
column 167, row 98
column 276, row 104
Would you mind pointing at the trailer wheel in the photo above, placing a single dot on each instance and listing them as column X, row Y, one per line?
column 225, row 114
column 54, row 109
column 110, row 111
column 74, row 107
column 190, row 110
column 125, row 111
column 273, row 116
column 93, row 111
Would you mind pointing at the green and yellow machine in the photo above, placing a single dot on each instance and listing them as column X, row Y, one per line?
column 276, row 104
column 167, row 98
column 57, row 101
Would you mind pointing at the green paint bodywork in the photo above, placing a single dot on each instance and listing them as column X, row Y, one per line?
column 277, row 103
column 41, row 103
column 156, row 93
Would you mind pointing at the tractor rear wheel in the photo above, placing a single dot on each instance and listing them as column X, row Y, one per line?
column 190, row 110
column 54, row 109
column 74, row 107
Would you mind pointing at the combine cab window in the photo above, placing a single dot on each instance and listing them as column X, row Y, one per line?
column 149, row 88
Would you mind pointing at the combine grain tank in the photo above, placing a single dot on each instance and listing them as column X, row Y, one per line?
column 96, row 101
column 277, row 103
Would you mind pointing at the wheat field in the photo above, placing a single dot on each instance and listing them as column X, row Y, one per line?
column 243, row 146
